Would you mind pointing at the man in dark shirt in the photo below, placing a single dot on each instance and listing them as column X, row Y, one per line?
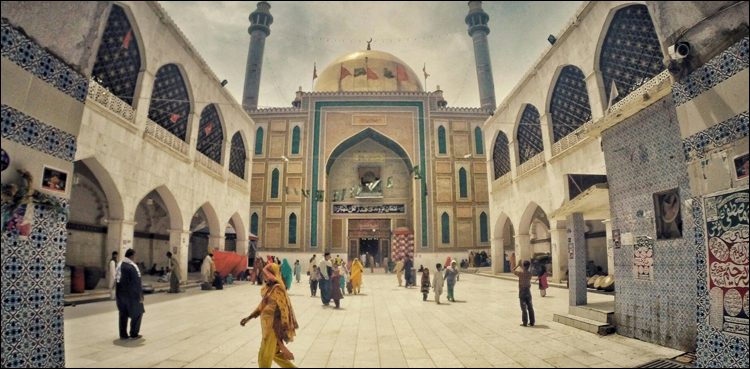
column 524, row 293
column 129, row 296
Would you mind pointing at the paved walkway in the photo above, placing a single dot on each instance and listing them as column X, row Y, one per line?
column 387, row 326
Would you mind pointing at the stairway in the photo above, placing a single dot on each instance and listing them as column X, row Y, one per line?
column 595, row 318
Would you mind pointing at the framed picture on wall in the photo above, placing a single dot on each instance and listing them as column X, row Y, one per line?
column 668, row 215
column 54, row 180
column 742, row 166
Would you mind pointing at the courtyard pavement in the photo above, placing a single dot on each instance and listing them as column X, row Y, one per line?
column 386, row 326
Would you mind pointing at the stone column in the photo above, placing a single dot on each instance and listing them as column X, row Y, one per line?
column 179, row 241
column 522, row 249
column 120, row 234
column 217, row 242
column 559, row 254
column 595, row 96
column 143, row 100
column 577, row 255
column 497, row 251
column 610, row 247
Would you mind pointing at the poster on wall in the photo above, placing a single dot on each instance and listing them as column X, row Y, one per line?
column 643, row 258
column 616, row 238
column 54, row 180
column 742, row 166
column 727, row 248
column 667, row 215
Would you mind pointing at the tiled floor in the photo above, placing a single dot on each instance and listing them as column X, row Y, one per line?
column 387, row 326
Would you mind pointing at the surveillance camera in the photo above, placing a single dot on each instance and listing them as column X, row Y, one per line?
column 679, row 50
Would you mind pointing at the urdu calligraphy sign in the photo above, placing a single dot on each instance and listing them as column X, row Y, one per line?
column 369, row 209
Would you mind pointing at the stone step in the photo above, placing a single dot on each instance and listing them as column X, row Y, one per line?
column 587, row 325
column 598, row 315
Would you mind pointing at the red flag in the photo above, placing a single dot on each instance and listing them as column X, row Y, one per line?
column 371, row 74
column 126, row 40
column 344, row 72
column 401, row 74
column 174, row 117
column 315, row 71
column 208, row 128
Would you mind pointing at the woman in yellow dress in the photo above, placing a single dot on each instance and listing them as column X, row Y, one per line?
column 356, row 275
column 277, row 320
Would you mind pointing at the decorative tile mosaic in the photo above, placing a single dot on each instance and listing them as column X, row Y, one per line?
column 730, row 62
column 33, row 58
column 28, row 131
column 643, row 258
column 32, row 291
column 726, row 132
column 643, row 157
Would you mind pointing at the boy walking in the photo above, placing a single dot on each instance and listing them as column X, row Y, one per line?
column 524, row 293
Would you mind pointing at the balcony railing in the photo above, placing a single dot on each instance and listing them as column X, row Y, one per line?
column 161, row 135
column 208, row 164
column 102, row 97
column 641, row 92
column 571, row 139
column 535, row 161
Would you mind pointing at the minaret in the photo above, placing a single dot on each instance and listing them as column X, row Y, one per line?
column 478, row 30
column 260, row 28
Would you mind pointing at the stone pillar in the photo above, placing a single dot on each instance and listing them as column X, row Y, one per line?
column 610, row 247
column 143, row 100
column 577, row 255
column 523, row 249
column 120, row 234
column 559, row 254
column 497, row 251
column 217, row 242
column 179, row 241
column 595, row 96
column 548, row 137
column 478, row 30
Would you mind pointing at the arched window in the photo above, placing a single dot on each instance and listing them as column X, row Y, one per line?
column 295, row 140
column 118, row 60
column 501, row 155
column 254, row 224
column 441, row 140
column 484, row 234
column 211, row 134
column 631, row 53
column 259, row 141
column 463, row 191
column 478, row 141
column 292, row 229
column 170, row 103
column 237, row 156
column 275, row 184
column 445, row 228
column 569, row 107
column 529, row 134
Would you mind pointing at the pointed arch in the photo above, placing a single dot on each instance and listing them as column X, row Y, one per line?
column 442, row 149
column 119, row 59
column 569, row 105
column 259, row 141
column 239, row 228
column 170, row 101
column 363, row 135
column 478, row 141
column 214, row 226
column 501, row 155
column 292, row 229
column 445, row 228
column 211, row 134
column 463, row 191
column 296, row 135
column 238, row 155
column 630, row 53
column 275, row 184
column 529, row 134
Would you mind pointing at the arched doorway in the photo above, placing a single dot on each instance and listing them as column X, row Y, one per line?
column 370, row 186
column 204, row 233
column 156, row 214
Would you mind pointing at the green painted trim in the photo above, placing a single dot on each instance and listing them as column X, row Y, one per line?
column 319, row 105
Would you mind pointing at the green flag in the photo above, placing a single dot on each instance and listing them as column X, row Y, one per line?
column 389, row 184
column 359, row 72
column 387, row 73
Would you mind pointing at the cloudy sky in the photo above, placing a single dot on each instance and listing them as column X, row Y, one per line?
column 434, row 33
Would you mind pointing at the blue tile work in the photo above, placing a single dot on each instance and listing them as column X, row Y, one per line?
column 730, row 62
column 714, row 137
column 644, row 155
column 36, row 60
column 23, row 129
column 32, row 291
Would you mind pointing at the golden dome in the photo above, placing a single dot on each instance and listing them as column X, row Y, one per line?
column 368, row 70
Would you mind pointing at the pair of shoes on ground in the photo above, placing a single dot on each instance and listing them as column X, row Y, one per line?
column 524, row 324
column 131, row 338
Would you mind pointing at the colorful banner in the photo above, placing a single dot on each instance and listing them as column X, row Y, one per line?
column 727, row 249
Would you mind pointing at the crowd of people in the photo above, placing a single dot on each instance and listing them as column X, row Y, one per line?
column 333, row 277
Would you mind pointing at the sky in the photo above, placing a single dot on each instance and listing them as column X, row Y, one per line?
column 419, row 33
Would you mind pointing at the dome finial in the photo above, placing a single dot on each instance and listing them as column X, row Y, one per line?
column 368, row 44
